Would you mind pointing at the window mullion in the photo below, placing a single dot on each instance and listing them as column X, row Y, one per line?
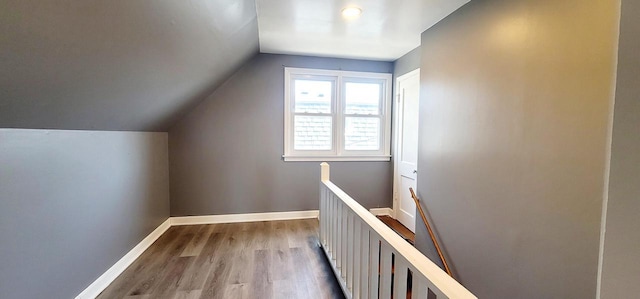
column 312, row 114
column 336, row 118
column 340, row 117
column 364, row 115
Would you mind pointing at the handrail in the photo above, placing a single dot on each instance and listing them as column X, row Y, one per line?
column 343, row 220
column 433, row 237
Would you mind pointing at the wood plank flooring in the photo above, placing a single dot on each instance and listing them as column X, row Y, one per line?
column 399, row 228
column 277, row 259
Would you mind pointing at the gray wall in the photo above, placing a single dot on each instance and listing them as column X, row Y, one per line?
column 408, row 62
column 117, row 65
column 72, row 203
column 513, row 128
column 226, row 155
column 621, row 259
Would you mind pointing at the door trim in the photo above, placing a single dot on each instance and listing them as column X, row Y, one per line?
column 396, row 122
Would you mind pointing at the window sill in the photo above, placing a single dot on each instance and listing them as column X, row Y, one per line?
column 336, row 158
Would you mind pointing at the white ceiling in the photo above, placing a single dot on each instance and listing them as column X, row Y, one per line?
column 386, row 30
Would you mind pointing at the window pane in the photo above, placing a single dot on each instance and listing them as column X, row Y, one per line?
column 362, row 133
column 312, row 132
column 362, row 98
column 312, row 96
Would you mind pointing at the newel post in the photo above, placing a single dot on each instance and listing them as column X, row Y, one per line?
column 324, row 204
column 324, row 171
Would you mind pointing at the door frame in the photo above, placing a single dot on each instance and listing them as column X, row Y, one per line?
column 397, row 118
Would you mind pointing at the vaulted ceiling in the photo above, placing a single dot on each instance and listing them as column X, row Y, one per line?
column 140, row 65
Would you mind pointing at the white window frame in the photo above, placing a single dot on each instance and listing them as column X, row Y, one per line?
column 338, row 104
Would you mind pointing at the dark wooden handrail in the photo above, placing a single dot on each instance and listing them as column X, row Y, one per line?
column 433, row 237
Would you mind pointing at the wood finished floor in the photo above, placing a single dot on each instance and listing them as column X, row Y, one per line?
column 278, row 259
column 402, row 230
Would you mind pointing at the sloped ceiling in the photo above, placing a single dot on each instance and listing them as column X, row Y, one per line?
column 139, row 65
column 118, row 64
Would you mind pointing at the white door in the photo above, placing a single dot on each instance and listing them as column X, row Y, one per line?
column 406, row 147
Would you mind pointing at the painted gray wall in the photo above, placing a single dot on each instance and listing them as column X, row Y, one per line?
column 117, row 65
column 621, row 259
column 408, row 62
column 225, row 156
column 72, row 203
column 513, row 128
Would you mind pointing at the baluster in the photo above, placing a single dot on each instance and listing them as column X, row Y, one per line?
column 357, row 252
column 336, row 243
column 385, row 270
column 334, row 228
column 322, row 216
column 340, row 241
column 349, row 263
column 326, row 217
column 374, row 265
column 419, row 287
column 325, row 221
column 327, row 234
column 400, row 278
column 365, row 263
column 328, row 224
column 343, row 244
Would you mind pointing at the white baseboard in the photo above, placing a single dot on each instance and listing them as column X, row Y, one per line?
column 251, row 217
column 381, row 211
column 94, row 289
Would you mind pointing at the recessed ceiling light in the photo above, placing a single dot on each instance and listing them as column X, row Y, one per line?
column 351, row 12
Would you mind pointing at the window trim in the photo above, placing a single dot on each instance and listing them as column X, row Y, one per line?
column 338, row 151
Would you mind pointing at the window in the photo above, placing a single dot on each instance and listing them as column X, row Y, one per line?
column 336, row 115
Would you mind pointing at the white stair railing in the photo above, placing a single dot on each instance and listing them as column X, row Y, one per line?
column 364, row 252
